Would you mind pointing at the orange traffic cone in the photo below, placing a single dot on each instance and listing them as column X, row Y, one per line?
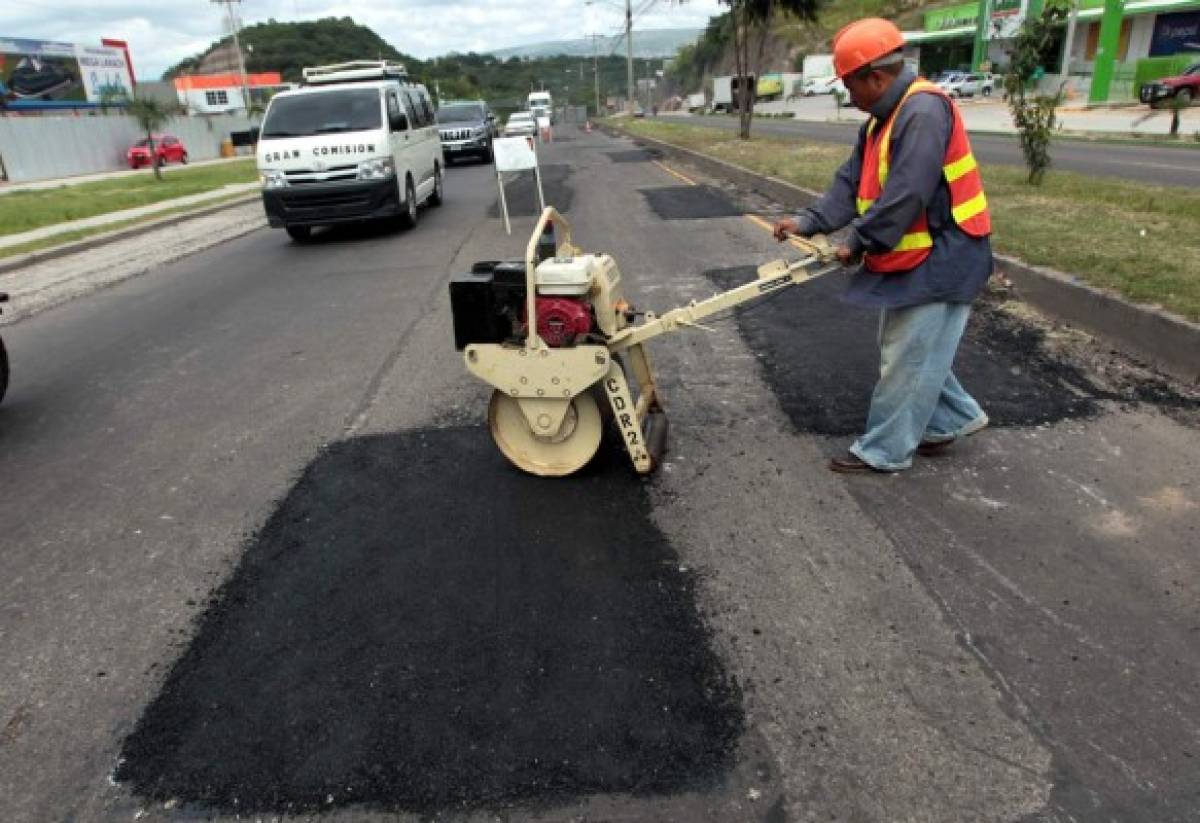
column 587, row 127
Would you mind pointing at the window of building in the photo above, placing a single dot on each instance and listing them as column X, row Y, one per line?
column 217, row 98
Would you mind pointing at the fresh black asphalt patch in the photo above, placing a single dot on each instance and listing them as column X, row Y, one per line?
column 821, row 359
column 520, row 190
column 419, row 627
column 690, row 202
column 634, row 156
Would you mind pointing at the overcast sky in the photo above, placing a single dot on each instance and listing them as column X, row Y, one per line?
column 161, row 34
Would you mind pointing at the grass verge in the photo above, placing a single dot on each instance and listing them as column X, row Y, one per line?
column 1135, row 238
column 71, row 236
column 25, row 210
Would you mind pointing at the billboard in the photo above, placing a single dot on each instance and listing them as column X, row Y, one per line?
column 1176, row 34
column 40, row 74
column 1006, row 19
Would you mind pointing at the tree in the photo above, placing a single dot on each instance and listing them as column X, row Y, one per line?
column 150, row 115
column 1033, row 114
column 752, row 19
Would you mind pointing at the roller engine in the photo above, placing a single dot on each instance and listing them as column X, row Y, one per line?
column 577, row 300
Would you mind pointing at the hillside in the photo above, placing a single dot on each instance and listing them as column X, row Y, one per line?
column 650, row 43
column 287, row 47
column 789, row 39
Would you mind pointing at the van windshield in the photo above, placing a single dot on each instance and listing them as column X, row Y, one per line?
column 327, row 112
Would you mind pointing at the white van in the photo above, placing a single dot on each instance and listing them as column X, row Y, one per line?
column 357, row 141
column 541, row 105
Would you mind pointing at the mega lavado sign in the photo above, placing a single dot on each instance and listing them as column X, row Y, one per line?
column 41, row 74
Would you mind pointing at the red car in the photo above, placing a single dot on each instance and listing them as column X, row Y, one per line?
column 1183, row 89
column 169, row 150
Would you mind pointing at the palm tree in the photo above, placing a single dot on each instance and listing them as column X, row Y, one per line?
column 150, row 115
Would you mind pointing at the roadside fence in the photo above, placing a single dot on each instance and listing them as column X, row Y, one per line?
column 37, row 148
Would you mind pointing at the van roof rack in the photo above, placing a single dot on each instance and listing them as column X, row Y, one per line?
column 355, row 71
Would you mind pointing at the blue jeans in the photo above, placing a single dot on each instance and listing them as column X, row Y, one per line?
column 917, row 397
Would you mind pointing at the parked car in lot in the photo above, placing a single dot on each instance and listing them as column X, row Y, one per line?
column 169, row 150
column 520, row 123
column 1182, row 89
column 466, row 128
column 823, row 85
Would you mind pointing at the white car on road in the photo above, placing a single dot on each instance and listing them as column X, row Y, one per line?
column 520, row 123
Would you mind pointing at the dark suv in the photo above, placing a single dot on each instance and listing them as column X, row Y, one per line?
column 467, row 128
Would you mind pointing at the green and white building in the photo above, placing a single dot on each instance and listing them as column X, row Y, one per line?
column 1099, row 49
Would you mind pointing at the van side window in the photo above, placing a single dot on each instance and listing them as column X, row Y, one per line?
column 430, row 117
column 393, row 106
column 415, row 115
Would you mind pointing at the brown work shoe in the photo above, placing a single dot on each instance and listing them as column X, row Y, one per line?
column 852, row 464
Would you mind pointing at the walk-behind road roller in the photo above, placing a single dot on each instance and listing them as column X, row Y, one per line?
column 551, row 332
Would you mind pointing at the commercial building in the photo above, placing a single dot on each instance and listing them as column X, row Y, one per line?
column 225, row 93
column 1098, row 49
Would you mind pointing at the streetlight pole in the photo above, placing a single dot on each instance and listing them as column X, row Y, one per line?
column 596, row 71
column 629, row 55
column 237, row 47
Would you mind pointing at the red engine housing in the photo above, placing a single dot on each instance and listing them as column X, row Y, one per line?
column 561, row 319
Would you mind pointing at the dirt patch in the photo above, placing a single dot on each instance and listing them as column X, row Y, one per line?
column 521, row 192
column 419, row 627
column 820, row 357
column 690, row 202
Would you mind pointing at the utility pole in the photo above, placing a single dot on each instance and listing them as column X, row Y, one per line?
column 596, row 71
column 237, row 47
column 629, row 91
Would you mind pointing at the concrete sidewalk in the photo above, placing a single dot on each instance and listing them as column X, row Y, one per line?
column 101, row 220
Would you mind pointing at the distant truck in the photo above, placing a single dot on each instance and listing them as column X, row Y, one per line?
column 818, row 74
column 779, row 86
column 695, row 102
column 541, row 105
column 725, row 90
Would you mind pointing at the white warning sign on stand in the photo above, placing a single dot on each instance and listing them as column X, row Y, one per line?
column 516, row 154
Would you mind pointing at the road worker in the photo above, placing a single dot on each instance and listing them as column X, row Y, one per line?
column 912, row 199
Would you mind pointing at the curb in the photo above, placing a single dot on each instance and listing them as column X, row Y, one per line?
column 1170, row 342
column 20, row 261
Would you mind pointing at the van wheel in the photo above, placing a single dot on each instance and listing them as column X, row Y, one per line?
column 301, row 234
column 437, row 197
column 408, row 217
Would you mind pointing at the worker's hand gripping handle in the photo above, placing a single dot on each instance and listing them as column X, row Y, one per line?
column 817, row 246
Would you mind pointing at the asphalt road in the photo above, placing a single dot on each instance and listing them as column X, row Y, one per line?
column 262, row 558
column 1148, row 164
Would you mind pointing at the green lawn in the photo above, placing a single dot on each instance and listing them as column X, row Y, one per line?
column 1139, row 239
column 25, row 210
column 71, row 236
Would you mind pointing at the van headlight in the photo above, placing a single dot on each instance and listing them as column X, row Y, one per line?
column 381, row 168
column 272, row 178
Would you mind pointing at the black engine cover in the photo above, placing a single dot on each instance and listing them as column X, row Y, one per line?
column 485, row 300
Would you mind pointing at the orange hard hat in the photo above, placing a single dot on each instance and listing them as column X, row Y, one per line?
column 862, row 42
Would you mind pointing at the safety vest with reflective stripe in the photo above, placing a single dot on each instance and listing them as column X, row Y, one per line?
column 967, row 201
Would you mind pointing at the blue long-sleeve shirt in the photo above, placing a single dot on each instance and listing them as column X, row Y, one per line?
column 958, row 265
